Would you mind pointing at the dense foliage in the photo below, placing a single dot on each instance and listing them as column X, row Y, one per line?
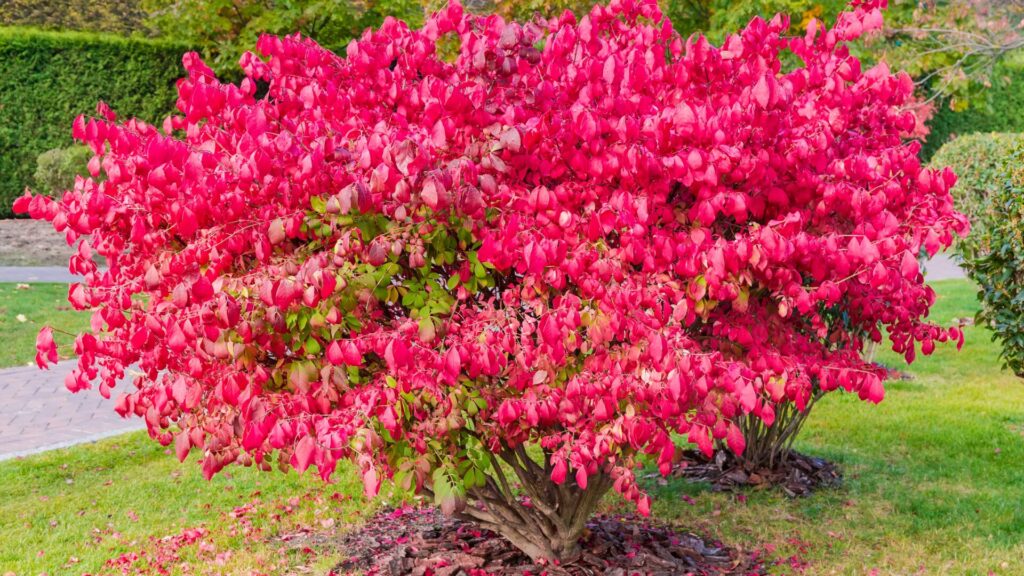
column 994, row 254
column 48, row 78
column 114, row 16
column 580, row 239
column 980, row 163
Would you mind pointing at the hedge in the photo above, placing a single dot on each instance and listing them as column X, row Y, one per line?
column 48, row 78
column 993, row 255
column 1001, row 110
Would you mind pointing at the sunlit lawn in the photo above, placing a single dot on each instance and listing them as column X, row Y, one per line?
column 69, row 511
column 934, row 474
column 23, row 311
column 934, row 485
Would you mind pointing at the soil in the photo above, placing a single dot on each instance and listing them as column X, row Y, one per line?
column 424, row 542
column 798, row 475
column 32, row 243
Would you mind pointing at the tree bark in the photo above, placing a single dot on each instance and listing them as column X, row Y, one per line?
column 770, row 446
column 539, row 517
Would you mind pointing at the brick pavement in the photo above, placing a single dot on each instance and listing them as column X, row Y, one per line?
column 38, row 413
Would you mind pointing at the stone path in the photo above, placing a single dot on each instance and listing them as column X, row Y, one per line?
column 38, row 413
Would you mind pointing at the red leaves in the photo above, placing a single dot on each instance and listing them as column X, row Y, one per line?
column 334, row 354
column 872, row 390
column 182, row 445
column 558, row 472
column 276, row 231
column 304, row 452
column 909, row 267
column 595, row 245
column 761, row 93
column 734, row 437
column 46, row 348
column 176, row 339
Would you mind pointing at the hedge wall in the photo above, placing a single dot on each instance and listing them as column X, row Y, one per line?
column 1002, row 110
column 48, row 78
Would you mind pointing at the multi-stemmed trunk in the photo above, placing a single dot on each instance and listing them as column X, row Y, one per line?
column 520, row 502
column 770, row 446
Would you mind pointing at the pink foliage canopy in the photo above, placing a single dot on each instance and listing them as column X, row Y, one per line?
column 587, row 234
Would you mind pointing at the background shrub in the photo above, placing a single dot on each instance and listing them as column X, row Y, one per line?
column 49, row 78
column 979, row 161
column 994, row 257
column 56, row 169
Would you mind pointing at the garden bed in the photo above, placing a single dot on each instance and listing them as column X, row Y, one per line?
column 424, row 542
column 798, row 475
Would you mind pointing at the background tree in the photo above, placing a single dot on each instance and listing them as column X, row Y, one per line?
column 953, row 48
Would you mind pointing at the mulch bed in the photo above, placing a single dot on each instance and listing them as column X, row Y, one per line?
column 799, row 475
column 424, row 542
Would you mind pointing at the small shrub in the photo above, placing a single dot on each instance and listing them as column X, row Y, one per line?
column 510, row 280
column 56, row 169
column 980, row 162
column 994, row 256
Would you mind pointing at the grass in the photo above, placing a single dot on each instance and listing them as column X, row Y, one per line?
column 23, row 311
column 934, row 485
column 69, row 511
column 934, row 474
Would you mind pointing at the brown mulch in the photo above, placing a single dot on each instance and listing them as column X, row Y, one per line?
column 424, row 542
column 26, row 242
column 798, row 476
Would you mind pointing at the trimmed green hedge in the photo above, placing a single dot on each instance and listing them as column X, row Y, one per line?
column 1001, row 111
column 49, row 78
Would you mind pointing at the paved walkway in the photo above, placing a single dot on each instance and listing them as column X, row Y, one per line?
column 943, row 267
column 38, row 413
column 28, row 274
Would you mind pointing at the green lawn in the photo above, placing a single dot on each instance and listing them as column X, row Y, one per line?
column 24, row 311
column 934, row 474
column 69, row 511
column 934, row 485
